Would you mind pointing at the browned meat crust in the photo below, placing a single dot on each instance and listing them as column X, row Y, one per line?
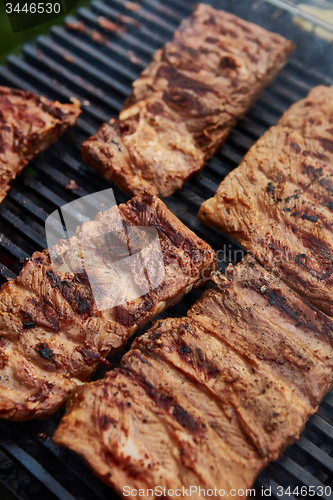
column 278, row 202
column 28, row 125
column 207, row 400
column 184, row 104
column 52, row 337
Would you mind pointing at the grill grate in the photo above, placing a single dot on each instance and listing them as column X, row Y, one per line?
column 98, row 67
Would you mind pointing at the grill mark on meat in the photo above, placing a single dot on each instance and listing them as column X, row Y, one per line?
column 191, row 384
column 311, row 218
column 80, row 298
column 127, row 318
column 246, row 357
column 91, row 356
column 50, row 321
column 327, row 144
column 3, row 342
column 164, row 401
column 106, row 421
column 167, row 228
column 196, row 359
column 327, row 184
column 277, row 299
column 295, row 147
column 124, row 316
column 29, row 324
column 289, row 163
column 50, row 313
column 317, row 246
column 28, row 125
column 57, row 113
column 328, row 205
column 178, row 80
column 184, row 101
column 312, row 172
column 164, row 227
column 186, row 420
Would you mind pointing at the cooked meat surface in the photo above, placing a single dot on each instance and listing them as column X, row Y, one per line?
column 278, row 202
column 53, row 336
column 207, row 400
column 28, row 125
column 185, row 102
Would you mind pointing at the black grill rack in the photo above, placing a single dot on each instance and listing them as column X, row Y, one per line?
column 98, row 67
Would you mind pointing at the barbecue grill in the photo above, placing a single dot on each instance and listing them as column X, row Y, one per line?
column 97, row 66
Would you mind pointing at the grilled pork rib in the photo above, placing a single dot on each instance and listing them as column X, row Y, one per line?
column 278, row 202
column 29, row 124
column 52, row 336
column 207, row 400
column 184, row 104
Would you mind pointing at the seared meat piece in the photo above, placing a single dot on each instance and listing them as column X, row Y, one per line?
column 278, row 202
column 28, row 125
column 53, row 336
column 207, row 400
column 184, row 104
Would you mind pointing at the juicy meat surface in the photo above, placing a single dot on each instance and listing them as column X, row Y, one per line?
column 278, row 202
column 207, row 400
column 185, row 102
column 53, row 336
column 28, row 125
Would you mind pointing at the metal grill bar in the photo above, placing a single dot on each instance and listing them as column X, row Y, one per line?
column 72, row 64
column 12, row 250
column 308, row 448
column 6, row 273
column 23, row 229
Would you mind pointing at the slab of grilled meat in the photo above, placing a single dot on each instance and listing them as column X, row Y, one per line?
column 53, row 336
column 278, row 203
column 28, row 125
column 207, row 400
column 184, row 104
